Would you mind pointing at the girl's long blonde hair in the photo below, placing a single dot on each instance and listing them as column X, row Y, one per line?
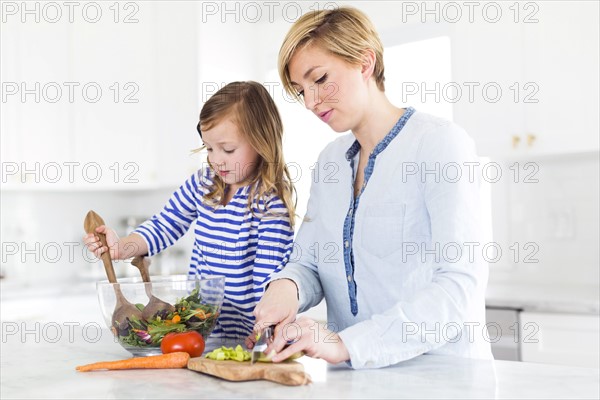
column 256, row 116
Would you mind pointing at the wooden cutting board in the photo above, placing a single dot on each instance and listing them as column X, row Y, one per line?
column 289, row 373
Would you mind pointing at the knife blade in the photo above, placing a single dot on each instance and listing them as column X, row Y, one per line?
column 261, row 344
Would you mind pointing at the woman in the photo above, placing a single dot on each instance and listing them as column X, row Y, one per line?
column 407, row 278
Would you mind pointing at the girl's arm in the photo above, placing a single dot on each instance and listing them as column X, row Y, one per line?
column 173, row 221
column 275, row 239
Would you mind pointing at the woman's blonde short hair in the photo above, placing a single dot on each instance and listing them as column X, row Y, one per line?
column 345, row 32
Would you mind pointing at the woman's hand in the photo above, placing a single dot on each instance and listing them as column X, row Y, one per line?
column 278, row 306
column 314, row 340
column 94, row 245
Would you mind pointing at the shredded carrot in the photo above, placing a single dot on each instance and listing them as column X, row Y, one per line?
column 200, row 313
column 171, row 360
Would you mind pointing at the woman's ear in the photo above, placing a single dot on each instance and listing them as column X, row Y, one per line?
column 368, row 63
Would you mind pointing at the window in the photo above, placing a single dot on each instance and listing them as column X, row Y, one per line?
column 419, row 74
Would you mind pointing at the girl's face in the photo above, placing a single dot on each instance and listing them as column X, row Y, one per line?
column 333, row 89
column 230, row 154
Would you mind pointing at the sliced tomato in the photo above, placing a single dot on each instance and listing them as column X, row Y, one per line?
column 190, row 342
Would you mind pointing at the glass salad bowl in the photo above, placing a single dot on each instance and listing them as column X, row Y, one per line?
column 141, row 314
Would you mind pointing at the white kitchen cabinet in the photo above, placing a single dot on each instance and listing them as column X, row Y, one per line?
column 120, row 127
column 155, row 65
column 555, row 338
column 35, row 123
column 486, row 57
column 546, row 67
column 129, row 104
column 502, row 325
column 562, row 58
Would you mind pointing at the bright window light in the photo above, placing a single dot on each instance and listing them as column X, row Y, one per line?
column 419, row 74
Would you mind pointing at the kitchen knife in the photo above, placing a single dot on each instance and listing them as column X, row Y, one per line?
column 261, row 344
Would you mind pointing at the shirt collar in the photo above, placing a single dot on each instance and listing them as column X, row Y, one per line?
column 353, row 150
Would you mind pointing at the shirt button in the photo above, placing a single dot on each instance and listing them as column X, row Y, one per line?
column 346, row 244
column 349, row 278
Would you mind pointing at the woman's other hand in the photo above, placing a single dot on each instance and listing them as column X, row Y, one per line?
column 314, row 339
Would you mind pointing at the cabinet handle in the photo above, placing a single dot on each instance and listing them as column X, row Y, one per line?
column 530, row 139
column 515, row 141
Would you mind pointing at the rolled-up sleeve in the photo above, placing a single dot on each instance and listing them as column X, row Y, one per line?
column 173, row 221
column 275, row 238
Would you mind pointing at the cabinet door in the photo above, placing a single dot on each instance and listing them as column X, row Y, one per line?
column 143, row 128
column 567, row 339
column 34, row 112
column 543, row 57
column 561, row 58
column 115, row 117
column 178, row 61
column 487, row 62
column 502, row 327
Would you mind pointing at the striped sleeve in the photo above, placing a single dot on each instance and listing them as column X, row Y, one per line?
column 173, row 221
column 275, row 240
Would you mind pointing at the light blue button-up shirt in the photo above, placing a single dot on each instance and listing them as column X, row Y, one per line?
column 400, row 265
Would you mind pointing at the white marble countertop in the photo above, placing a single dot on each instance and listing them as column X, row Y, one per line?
column 69, row 302
column 544, row 298
column 39, row 362
column 69, row 299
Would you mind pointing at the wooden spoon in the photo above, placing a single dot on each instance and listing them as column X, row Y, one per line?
column 123, row 309
column 155, row 305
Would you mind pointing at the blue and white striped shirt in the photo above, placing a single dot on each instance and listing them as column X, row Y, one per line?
column 230, row 241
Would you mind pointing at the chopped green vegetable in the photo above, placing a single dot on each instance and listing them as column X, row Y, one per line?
column 228, row 353
column 239, row 354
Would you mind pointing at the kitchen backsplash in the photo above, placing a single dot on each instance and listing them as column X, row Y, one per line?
column 42, row 233
column 547, row 230
column 547, row 220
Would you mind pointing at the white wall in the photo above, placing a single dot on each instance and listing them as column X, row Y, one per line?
column 42, row 232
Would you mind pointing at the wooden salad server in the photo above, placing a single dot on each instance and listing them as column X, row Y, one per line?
column 123, row 309
column 155, row 305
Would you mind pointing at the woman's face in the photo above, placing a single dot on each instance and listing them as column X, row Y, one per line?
column 333, row 89
column 230, row 154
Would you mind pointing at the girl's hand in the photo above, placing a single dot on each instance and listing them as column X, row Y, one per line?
column 92, row 241
column 278, row 307
column 314, row 340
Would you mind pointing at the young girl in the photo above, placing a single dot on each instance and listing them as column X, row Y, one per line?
column 240, row 206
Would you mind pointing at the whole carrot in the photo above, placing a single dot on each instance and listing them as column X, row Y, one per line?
column 172, row 360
